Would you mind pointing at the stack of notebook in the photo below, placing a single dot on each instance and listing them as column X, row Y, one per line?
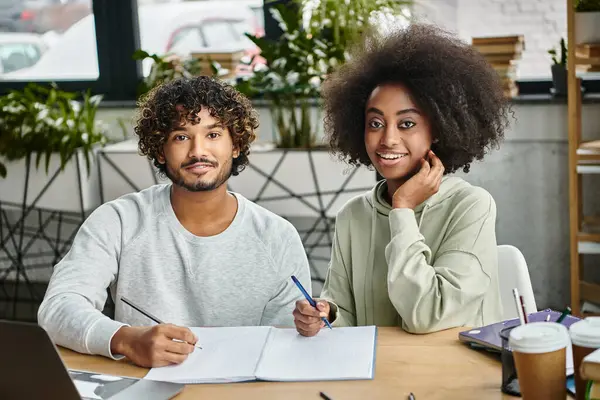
column 588, row 52
column 502, row 52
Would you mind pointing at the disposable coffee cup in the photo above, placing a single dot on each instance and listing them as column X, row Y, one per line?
column 540, row 353
column 585, row 337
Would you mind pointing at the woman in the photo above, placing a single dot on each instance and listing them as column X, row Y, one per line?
column 419, row 250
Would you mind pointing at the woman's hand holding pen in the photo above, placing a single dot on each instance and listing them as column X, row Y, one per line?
column 420, row 186
column 154, row 346
column 308, row 319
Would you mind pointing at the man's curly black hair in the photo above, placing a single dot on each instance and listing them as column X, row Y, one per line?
column 456, row 88
column 158, row 115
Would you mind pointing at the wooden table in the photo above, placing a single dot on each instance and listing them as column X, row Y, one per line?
column 433, row 366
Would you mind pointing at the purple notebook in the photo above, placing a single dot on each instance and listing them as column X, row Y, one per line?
column 488, row 336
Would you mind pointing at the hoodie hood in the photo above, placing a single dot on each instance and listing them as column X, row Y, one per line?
column 448, row 187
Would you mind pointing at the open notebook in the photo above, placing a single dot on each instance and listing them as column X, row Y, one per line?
column 271, row 354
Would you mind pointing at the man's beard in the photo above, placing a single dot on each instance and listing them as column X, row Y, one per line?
column 200, row 185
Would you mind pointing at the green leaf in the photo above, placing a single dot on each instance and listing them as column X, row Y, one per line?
column 48, row 155
column 587, row 5
column 140, row 54
column 38, row 158
column 86, row 154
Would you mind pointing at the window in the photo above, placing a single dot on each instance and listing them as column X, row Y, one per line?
column 47, row 40
column 198, row 26
column 83, row 44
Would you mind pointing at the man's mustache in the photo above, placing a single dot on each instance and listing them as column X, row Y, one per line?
column 198, row 160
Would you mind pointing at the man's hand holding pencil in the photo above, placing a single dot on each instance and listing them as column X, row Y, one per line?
column 154, row 346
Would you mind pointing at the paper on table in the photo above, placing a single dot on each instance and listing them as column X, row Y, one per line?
column 570, row 365
column 86, row 389
column 333, row 354
column 228, row 355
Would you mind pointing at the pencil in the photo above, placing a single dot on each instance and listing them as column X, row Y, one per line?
column 524, row 310
column 147, row 314
column 518, row 306
column 141, row 311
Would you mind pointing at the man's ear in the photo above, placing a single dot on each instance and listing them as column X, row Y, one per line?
column 236, row 152
column 160, row 157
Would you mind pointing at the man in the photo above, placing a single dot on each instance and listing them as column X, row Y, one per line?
column 190, row 253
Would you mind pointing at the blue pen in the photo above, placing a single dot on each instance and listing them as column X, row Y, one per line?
column 310, row 299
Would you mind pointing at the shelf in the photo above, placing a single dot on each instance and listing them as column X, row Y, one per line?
column 587, row 61
column 590, row 291
column 592, row 237
column 588, row 169
column 584, row 158
column 588, row 158
column 588, row 239
column 584, row 247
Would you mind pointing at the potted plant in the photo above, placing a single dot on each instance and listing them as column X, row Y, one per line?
column 48, row 138
column 587, row 21
column 559, row 69
column 315, row 39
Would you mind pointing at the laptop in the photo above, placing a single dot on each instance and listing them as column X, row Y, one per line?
column 32, row 369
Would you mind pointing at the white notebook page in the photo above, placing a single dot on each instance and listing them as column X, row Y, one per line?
column 333, row 354
column 228, row 354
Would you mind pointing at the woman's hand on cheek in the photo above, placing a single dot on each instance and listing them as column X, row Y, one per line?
column 421, row 186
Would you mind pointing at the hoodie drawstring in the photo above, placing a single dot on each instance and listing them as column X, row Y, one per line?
column 422, row 215
column 371, row 263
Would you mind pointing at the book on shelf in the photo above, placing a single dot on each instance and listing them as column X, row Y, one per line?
column 508, row 47
column 502, row 52
column 589, row 51
column 486, row 40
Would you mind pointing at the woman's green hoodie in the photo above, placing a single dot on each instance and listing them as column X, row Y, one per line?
column 425, row 270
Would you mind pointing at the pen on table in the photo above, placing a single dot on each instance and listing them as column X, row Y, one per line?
column 524, row 310
column 564, row 315
column 518, row 306
column 411, row 396
column 310, row 299
column 146, row 313
column 324, row 396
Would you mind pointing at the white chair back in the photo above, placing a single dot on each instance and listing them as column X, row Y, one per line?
column 513, row 273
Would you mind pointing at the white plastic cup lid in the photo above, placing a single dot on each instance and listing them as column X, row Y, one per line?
column 539, row 337
column 586, row 333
